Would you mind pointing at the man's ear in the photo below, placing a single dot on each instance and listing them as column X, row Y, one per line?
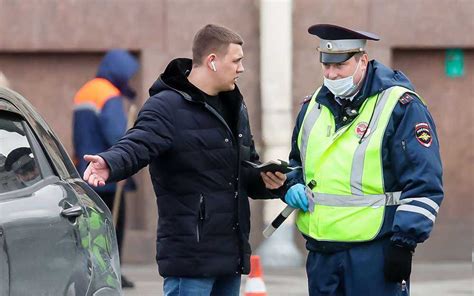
column 365, row 60
column 210, row 61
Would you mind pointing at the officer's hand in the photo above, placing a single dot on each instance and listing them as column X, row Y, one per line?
column 97, row 172
column 273, row 180
column 296, row 197
column 397, row 266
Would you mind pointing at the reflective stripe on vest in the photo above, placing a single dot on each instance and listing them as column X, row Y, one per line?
column 309, row 120
column 349, row 195
column 373, row 200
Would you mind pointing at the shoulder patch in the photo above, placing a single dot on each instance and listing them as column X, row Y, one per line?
column 423, row 134
column 306, row 99
column 406, row 98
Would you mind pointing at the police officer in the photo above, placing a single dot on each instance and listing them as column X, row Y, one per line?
column 369, row 143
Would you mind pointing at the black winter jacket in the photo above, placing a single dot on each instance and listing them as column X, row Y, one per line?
column 195, row 164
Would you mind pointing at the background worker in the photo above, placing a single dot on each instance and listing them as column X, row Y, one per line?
column 369, row 143
column 194, row 133
column 100, row 121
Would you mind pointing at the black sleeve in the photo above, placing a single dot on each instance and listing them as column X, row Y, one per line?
column 151, row 135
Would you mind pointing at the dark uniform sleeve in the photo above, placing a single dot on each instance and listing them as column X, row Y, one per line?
column 151, row 136
column 416, row 166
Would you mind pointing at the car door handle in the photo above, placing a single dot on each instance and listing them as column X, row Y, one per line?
column 72, row 212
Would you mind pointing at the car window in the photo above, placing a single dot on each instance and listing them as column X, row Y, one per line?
column 18, row 163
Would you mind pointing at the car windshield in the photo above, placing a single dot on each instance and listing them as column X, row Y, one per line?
column 18, row 165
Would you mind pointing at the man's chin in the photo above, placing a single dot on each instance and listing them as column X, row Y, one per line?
column 229, row 88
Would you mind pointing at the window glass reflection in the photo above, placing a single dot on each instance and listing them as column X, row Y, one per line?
column 18, row 166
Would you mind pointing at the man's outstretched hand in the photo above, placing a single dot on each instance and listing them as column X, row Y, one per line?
column 97, row 172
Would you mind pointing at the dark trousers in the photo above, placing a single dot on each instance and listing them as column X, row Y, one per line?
column 357, row 271
column 108, row 198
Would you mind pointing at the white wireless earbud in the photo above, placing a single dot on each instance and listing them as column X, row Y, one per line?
column 213, row 66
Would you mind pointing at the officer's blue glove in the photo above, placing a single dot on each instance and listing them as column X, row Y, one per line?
column 296, row 197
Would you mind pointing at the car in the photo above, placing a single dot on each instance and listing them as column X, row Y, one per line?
column 56, row 234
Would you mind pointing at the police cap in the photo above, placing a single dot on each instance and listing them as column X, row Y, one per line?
column 338, row 44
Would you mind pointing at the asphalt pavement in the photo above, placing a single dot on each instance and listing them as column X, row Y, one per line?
column 432, row 279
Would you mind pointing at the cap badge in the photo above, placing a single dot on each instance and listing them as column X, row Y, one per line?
column 329, row 45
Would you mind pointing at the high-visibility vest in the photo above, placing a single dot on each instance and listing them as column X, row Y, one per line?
column 346, row 164
column 94, row 94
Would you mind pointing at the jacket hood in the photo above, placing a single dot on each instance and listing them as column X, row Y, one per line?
column 175, row 78
column 118, row 66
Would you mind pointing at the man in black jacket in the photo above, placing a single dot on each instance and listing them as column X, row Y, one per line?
column 194, row 133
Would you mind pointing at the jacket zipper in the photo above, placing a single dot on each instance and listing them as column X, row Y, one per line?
column 201, row 218
column 213, row 111
column 235, row 141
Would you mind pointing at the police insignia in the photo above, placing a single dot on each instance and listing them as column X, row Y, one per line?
column 423, row 134
column 306, row 99
column 360, row 129
column 405, row 99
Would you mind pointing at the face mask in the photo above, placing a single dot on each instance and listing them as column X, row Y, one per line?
column 344, row 87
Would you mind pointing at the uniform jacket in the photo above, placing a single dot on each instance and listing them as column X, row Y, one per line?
column 409, row 164
column 201, row 188
column 99, row 119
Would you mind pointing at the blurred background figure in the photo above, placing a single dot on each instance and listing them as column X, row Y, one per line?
column 99, row 121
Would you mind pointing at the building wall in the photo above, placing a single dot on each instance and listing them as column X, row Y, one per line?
column 48, row 48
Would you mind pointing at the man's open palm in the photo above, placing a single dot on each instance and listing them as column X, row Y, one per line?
column 97, row 172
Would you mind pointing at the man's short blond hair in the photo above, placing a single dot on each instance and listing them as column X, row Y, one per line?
column 213, row 39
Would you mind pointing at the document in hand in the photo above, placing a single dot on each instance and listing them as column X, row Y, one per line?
column 272, row 166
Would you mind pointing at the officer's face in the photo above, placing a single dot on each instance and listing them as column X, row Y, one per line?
column 229, row 67
column 346, row 69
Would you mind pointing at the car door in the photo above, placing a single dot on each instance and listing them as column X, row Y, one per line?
column 43, row 229
column 103, row 248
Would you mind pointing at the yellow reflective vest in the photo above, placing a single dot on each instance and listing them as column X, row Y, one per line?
column 346, row 164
